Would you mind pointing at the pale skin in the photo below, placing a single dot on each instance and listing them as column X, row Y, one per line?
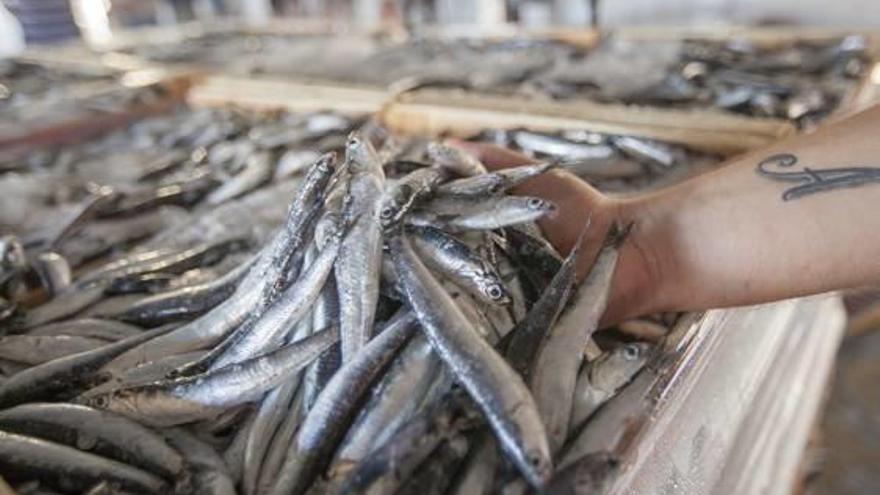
column 728, row 238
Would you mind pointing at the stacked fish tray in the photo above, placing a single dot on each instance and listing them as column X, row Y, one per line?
column 45, row 102
column 226, row 300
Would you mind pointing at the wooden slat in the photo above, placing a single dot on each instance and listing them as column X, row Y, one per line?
column 443, row 112
column 272, row 94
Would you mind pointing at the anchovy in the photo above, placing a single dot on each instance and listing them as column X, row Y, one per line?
column 163, row 164
column 141, row 283
column 88, row 327
column 234, row 453
column 68, row 374
column 186, row 193
column 266, row 421
column 85, row 212
column 455, row 160
column 530, row 331
column 38, row 349
column 317, row 375
column 503, row 212
column 66, row 303
column 360, row 256
column 210, row 474
column 560, row 147
column 293, row 162
column 184, row 302
column 500, row 393
column 206, row 254
column 407, row 191
column 646, row 151
column 258, row 170
column 281, row 444
column 481, row 186
column 393, row 401
column 455, row 260
column 99, row 432
column 67, row 467
column 392, row 463
column 328, row 418
column 555, row 371
column 172, row 402
column 291, row 306
column 601, row 378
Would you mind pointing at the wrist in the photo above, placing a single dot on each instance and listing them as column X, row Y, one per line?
column 642, row 282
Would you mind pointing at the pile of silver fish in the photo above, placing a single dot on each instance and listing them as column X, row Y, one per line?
column 611, row 163
column 403, row 328
column 799, row 81
column 34, row 94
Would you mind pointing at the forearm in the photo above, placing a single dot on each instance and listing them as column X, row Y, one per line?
column 742, row 235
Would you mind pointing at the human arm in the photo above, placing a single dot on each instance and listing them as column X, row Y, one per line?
column 728, row 237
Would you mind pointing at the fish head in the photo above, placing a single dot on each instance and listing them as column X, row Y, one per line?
column 540, row 205
column 493, row 290
column 122, row 401
column 12, row 256
column 616, row 368
column 360, row 154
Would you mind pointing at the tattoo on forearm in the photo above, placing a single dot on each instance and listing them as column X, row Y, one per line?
column 782, row 168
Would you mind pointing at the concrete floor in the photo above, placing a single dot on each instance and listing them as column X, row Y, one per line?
column 851, row 427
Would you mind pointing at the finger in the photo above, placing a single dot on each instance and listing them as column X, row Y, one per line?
column 492, row 156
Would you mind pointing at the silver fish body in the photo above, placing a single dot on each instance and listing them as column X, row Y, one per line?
column 458, row 262
column 489, row 380
column 601, row 378
column 100, row 432
column 554, row 375
column 179, row 401
column 62, row 466
column 360, row 256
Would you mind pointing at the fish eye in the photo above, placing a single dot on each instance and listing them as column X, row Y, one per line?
column 536, row 203
column 630, row 352
column 494, row 291
column 387, row 212
column 100, row 402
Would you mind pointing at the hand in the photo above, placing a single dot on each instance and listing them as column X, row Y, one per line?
column 637, row 272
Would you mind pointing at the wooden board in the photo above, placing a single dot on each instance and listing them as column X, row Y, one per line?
column 438, row 112
column 272, row 94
